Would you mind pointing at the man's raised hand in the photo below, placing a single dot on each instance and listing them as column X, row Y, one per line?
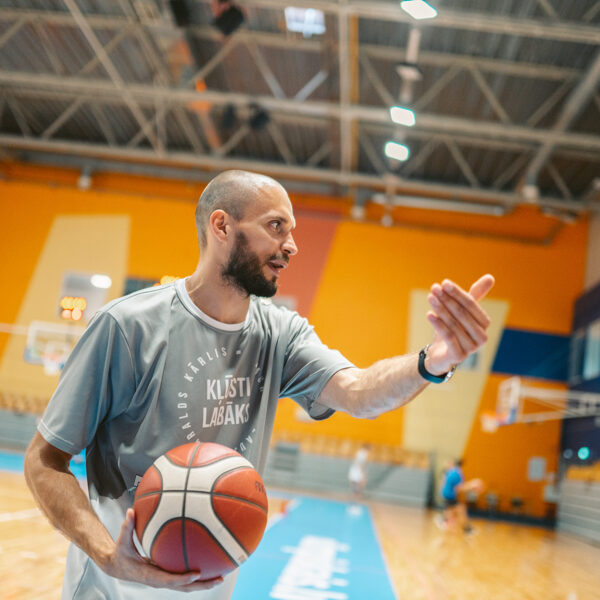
column 458, row 321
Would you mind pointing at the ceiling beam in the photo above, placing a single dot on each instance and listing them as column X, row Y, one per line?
column 566, row 31
column 108, row 65
column 187, row 160
column 296, row 43
column 380, row 128
column 345, row 83
column 105, row 90
column 578, row 98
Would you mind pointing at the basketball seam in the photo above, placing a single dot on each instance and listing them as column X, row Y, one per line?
column 228, row 495
column 187, row 477
column 206, row 464
column 149, row 519
column 211, row 493
column 215, row 540
column 216, row 494
column 157, row 535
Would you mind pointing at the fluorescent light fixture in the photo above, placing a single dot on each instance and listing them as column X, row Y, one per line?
column 101, row 281
column 396, row 151
column 418, row 9
column 477, row 208
column 307, row 21
column 402, row 116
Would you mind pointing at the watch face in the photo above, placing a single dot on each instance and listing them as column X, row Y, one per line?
column 450, row 373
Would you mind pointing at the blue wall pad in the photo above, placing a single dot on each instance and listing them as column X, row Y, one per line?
column 532, row 354
column 320, row 550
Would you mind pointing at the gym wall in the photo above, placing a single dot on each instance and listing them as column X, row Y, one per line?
column 364, row 287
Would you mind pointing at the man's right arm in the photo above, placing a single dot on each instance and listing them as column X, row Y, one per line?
column 62, row 500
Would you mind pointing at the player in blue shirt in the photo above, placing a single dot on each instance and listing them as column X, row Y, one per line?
column 455, row 511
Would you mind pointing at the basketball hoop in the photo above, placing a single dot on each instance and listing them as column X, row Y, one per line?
column 509, row 399
column 50, row 344
column 54, row 354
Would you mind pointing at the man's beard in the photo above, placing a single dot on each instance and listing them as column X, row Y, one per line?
column 244, row 270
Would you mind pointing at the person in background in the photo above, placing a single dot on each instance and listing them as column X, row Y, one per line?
column 454, row 486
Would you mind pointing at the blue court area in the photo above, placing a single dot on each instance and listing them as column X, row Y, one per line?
column 13, row 461
column 320, row 550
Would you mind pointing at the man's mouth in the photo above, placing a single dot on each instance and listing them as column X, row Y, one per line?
column 276, row 266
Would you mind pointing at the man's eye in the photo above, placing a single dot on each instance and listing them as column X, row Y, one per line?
column 276, row 225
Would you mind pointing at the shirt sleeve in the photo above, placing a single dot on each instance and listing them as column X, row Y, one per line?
column 309, row 364
column 97, row 384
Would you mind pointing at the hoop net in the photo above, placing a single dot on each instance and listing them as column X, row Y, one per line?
column 54, row 354
column 489, row 422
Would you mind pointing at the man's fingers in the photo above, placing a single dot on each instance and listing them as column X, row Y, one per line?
column 445, row 333
column 468, row 325
column 465, row 299
column 202, row 585
column 185, row 582
column 482, row 286
column 159, row 578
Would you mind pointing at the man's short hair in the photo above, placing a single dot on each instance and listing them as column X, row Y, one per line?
column 231, row 191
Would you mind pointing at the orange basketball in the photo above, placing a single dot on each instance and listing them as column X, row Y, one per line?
column 200, row 506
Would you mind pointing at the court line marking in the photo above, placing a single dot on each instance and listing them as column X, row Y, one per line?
column 20, row 515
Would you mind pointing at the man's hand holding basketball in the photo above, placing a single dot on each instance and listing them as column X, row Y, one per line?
column 127, row 563
column 459, row 323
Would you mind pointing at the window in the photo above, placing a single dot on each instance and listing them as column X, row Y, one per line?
column 576, row 356
column 591, row 353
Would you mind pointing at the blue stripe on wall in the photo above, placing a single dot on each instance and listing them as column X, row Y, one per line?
column 532, row 354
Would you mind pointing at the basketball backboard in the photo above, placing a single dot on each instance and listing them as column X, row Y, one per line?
column 50, row 344
column 543, row 404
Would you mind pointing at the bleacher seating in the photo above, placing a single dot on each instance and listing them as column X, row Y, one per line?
column 579, row 502
column 321, row 462
column 20, row 403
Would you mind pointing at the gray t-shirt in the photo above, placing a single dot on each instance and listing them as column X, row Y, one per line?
column 152, row 372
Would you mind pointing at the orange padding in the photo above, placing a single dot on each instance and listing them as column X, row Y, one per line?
column 584, row 473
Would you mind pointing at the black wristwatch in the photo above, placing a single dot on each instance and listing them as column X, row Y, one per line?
column 430, row 376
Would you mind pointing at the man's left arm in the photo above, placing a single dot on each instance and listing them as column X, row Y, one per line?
column 459, row 325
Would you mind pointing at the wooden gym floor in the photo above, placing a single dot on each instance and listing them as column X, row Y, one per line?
column 501, row 561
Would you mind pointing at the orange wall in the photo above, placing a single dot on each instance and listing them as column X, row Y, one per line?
column 362, row 285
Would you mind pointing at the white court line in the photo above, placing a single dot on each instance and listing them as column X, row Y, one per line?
column 20, row 515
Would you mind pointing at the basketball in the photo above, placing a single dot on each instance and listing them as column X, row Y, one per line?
column 200, row 506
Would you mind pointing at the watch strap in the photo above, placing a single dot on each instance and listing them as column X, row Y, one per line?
column 430, row 376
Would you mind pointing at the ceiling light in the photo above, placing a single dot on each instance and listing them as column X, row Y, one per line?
column 307, row 21
column 418, row 9
column 396, row 151
column 448, row 205
column 402, row 116
column 101, row 281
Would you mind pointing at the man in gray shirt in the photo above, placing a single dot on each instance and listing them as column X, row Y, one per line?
column 206, row 359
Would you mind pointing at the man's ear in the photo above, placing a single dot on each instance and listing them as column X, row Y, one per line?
column 219, row 225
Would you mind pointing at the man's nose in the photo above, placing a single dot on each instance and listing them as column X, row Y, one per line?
column 289, row 246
